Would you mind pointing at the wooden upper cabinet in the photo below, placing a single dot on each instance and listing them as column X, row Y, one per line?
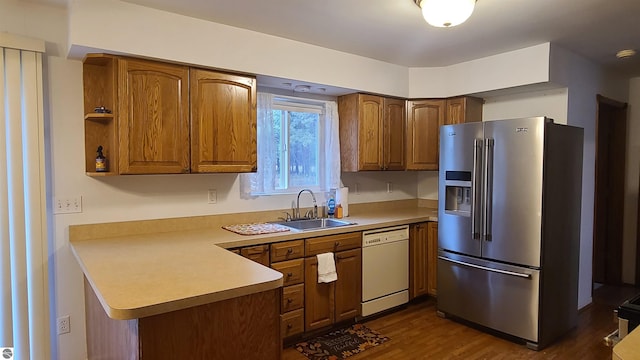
column 394, row 134
column 424, row 118
column 371, row 132
column 223, row 122
column 153, row 112
column 463, row 109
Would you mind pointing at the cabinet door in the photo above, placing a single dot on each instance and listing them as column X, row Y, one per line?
column 394, row 138
column 349, row 284
column 418, row 260
column 423, row 131
column 223, row 122
column 318, row 298
column 370, row 139
column 153, row 103
column 463, row 109
column 432, row 258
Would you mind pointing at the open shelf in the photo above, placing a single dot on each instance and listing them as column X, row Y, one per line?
column 100, row 129
column 99, row 116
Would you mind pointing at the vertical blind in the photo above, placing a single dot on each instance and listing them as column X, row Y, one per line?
column 24, row 304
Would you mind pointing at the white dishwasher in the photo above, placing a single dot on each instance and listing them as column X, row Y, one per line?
column 385, row 269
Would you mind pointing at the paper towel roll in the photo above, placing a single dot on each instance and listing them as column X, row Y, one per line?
column 342, row 197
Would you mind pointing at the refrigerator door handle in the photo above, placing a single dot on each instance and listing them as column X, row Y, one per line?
column 488, row 188
column 504, row 272
column 475, row 190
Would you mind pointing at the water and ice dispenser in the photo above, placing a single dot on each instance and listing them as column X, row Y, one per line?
column 458, row 194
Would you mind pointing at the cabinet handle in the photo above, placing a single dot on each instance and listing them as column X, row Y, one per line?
column 289, row 300
column 289, row 326
column 337, row 243
column 289, row 251
column 289, row 274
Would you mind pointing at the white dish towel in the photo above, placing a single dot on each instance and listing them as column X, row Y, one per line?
column 326, row 268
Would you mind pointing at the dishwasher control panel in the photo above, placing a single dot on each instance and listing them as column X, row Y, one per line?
column 386, row 235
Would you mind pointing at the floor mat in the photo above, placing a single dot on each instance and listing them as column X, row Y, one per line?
column 341, row 344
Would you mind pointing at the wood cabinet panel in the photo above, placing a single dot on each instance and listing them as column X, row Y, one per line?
column 154, row 114
column 258, row 253
column 292, row 323
column 292, row 271
column 348, row 288
column 223, row 122
column 423, row 128
column 418, row 261
column 394, row 134
column 318, row 298
column 287, row 250
column 246, row 327
column 333, row 243
column 432, row 258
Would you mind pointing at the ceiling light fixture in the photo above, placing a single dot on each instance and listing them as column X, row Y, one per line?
column 623, row 54
column 446, row 13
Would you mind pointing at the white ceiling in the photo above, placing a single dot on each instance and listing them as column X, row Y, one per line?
column 394, row 30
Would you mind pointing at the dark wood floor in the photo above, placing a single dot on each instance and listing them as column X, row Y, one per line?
column 416, row 332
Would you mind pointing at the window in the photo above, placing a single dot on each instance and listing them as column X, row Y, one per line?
column 297, row 135
column 298, row 147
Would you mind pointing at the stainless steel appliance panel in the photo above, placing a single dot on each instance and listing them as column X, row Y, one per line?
column 501, row 297
column 514, row 185
column 457, row 145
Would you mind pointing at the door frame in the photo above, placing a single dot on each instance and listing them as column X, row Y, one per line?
column 619, row 110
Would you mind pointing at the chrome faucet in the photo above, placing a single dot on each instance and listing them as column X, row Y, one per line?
column 315, row 205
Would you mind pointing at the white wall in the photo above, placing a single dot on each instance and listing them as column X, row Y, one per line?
column 585, row 80
column 499, row 71
column 550, row 103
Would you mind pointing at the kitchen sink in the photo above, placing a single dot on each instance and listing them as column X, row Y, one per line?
column 313, row 224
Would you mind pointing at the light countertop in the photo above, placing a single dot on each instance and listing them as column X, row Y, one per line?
column 146, row 274
column 629, row 347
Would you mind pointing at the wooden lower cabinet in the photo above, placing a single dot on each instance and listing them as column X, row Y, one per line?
column 348, row 287
column 287, row 257
column 418, row 259
column 318, row 298
column 432, row 258
column 328, row 303
column 423, row 260
column 246, row 327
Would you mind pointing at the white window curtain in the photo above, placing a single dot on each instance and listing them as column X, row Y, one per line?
column 262, row 181
column 24, row 303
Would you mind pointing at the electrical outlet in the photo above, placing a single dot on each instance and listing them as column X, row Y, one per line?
column 389, row 187
column 68, row 205
column 212, row 196
column 64, row 325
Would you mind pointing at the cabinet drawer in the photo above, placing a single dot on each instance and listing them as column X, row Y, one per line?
column 292, row 271
column 292, row 298
column 287, row 250
column 258, row 253
column 333, row 243
column 292, row 323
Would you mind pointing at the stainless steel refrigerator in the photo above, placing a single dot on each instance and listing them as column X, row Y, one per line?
column 509, row 226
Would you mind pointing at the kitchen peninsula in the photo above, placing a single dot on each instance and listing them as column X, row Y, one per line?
column 169, row 288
